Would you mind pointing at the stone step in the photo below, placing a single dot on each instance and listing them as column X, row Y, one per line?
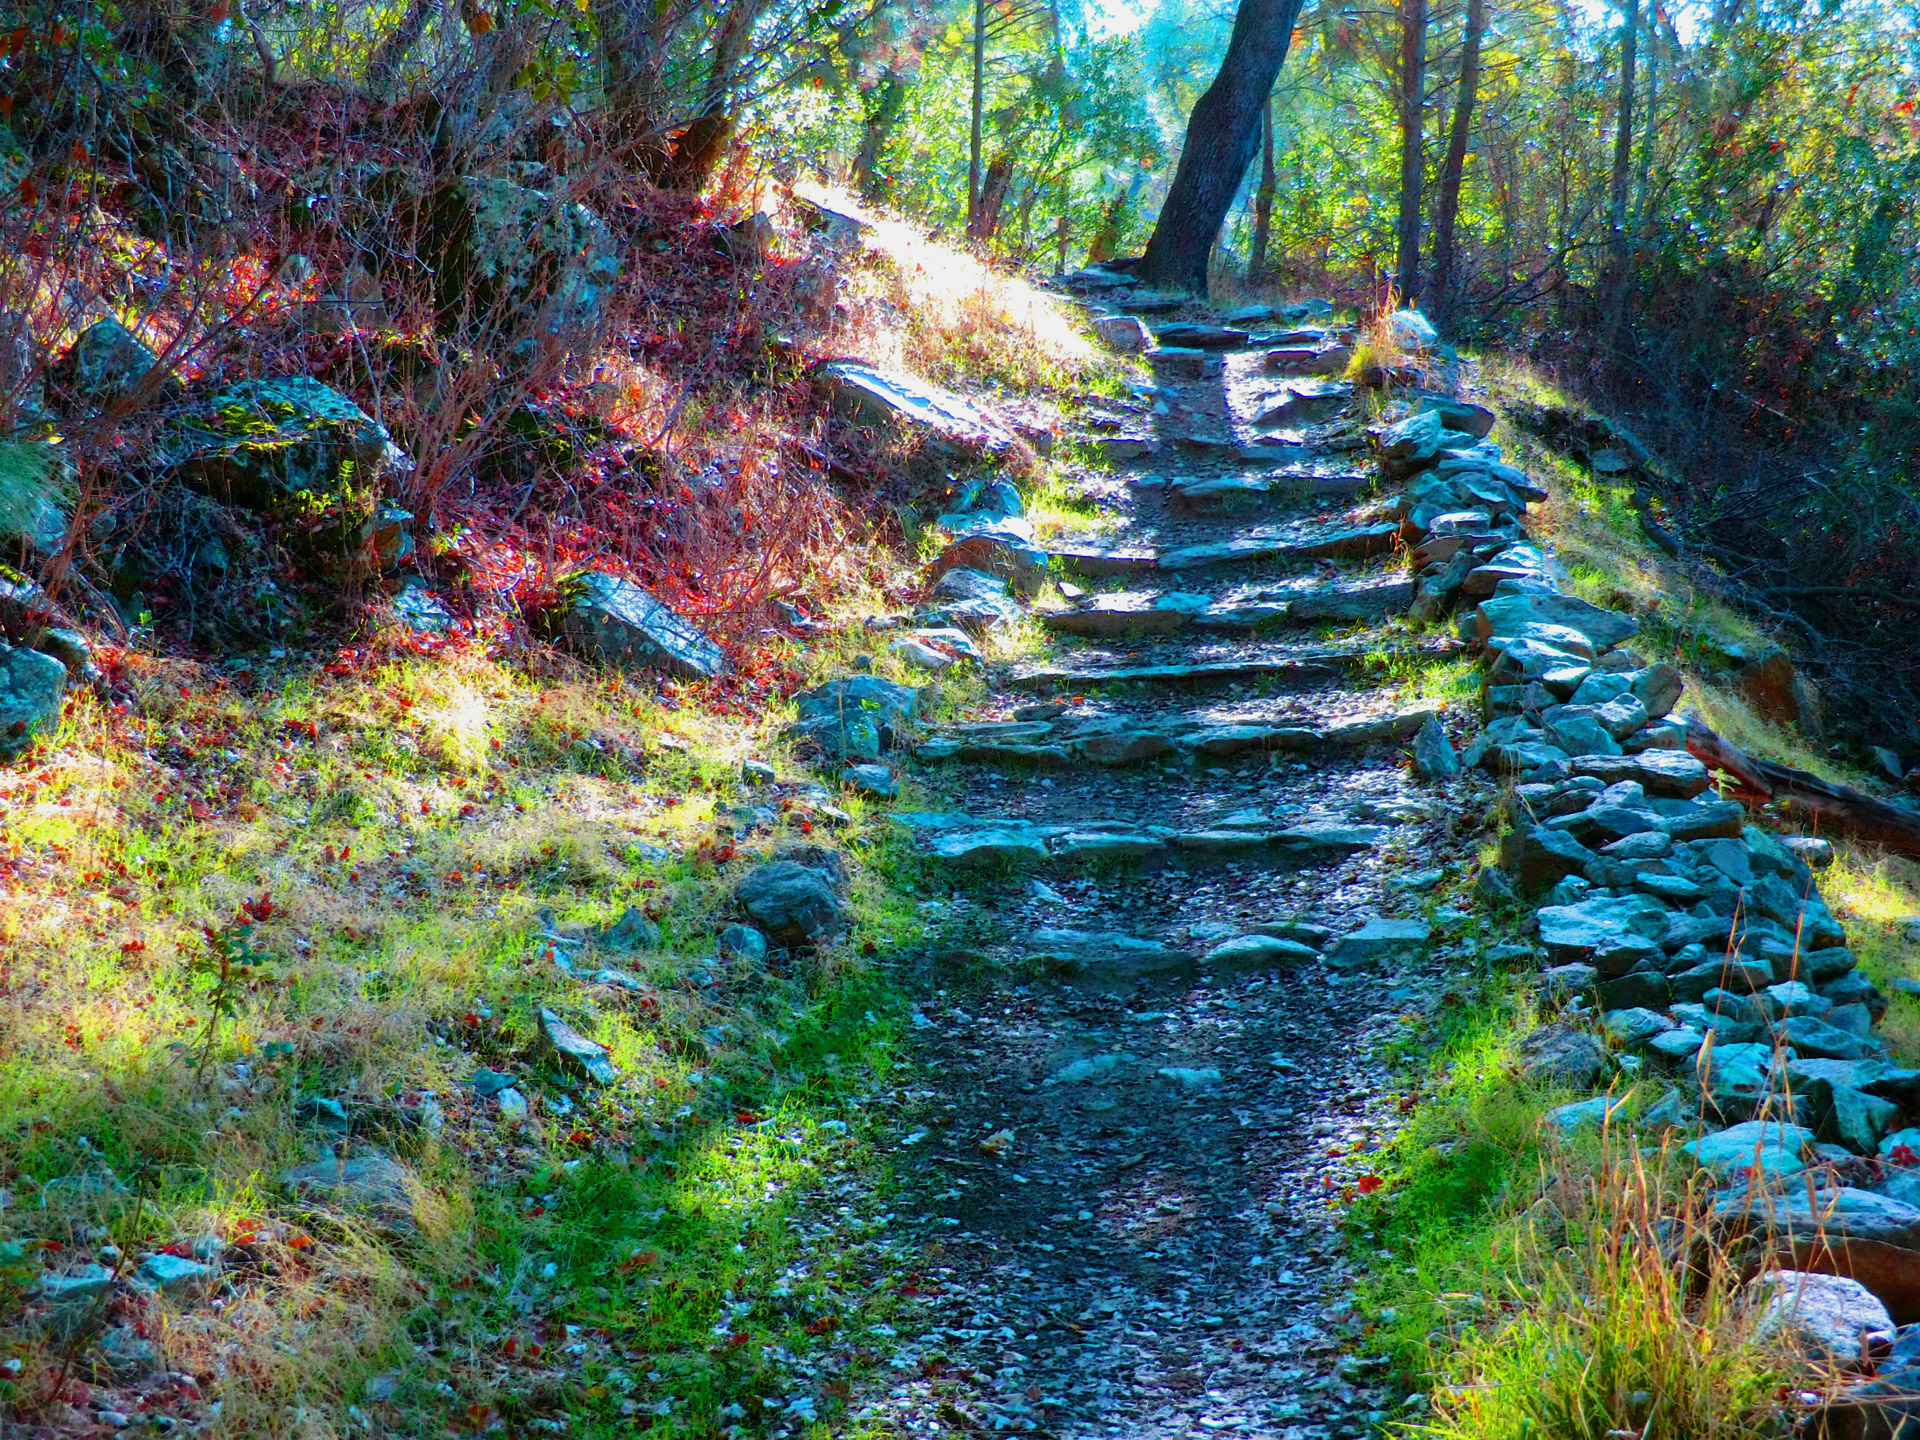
column 1213, row 493
column 1145, row 613
column 1300, row 670
column 1121, row 740
column 1302, row 667
column 966, row 843
column 1097, row 563
column 1347, row 542
column 1302, row 542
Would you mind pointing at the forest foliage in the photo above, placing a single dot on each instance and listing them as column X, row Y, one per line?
column 1698, row 211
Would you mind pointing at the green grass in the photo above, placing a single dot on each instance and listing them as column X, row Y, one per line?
column 1523, row 1285
column 410, row 825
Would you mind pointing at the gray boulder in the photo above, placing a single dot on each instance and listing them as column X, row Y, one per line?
column 375, row 1186
column 500, row 245
column 1826, row 1318
column 617, row 622
column 792, row 904
column 291, row 446
column 1562, row 1055
column 1759, row 1150
column 934, row 415
column 32, row 686
column 107, row 365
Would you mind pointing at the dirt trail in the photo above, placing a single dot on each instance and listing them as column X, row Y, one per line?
column 1157, row 1249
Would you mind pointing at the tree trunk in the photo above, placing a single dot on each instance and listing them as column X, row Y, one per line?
column 1413, row 101
column 634, row 36
column 704, row 141
column 1616, row 286
column 1834, row 807
column 1649, row 130
column 1263, row 202
column 993, row 195
column 1221, row 135
column 979, row 108
column 1062, row 231
column 874, row 134
column 1441, row 286
column 1113, row 223
column 391, row 53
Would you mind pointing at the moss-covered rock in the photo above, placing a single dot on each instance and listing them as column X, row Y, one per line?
column 293, row 448
column 501, row 245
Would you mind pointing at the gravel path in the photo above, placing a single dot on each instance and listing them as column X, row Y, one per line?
column 1128, row 1197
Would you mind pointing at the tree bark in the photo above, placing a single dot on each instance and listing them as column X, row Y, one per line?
column 1836, row 807
column 1413, row 101
column 979, row 108
column 1447, row 209
column 1221, row 135
column 1649, row 130
column 874, row 134
column 704, row 141
column 1616, row 287
column 993, row 195
column 391, row 53
column 1263, row 202
column 634, row 37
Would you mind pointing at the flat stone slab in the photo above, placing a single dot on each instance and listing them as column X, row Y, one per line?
column 1669, row 774
column 1302, row 671
column 1354, row 542
column 1099, row 563
column 1224, row 492
column 1226, row 741
column 1832, row 1213
column 989, row 846
column 1503, row 614
column 877, row 397
column 1597, row 929
column 1254, row 952
column 1758, row 1150
column 1123, row 747
column 620, row 623
column 1201, row 336
column 1082, row 845
column 1370, row 600
column 1381, row 939
column 1129, row 612
column 1105, row 955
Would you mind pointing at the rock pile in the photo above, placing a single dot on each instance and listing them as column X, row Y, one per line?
column 1683, row 944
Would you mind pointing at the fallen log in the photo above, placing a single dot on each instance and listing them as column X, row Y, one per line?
column 1836, row 807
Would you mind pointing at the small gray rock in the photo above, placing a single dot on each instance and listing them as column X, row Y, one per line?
column 575, row 1051
column 742, row 944
column 619, row 623
column 1563, row 1055
column 1381, row 939
column 1433, row 754
column 374, row 1185
column 792, row 904
column 632, row 932
column 173, row 1275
